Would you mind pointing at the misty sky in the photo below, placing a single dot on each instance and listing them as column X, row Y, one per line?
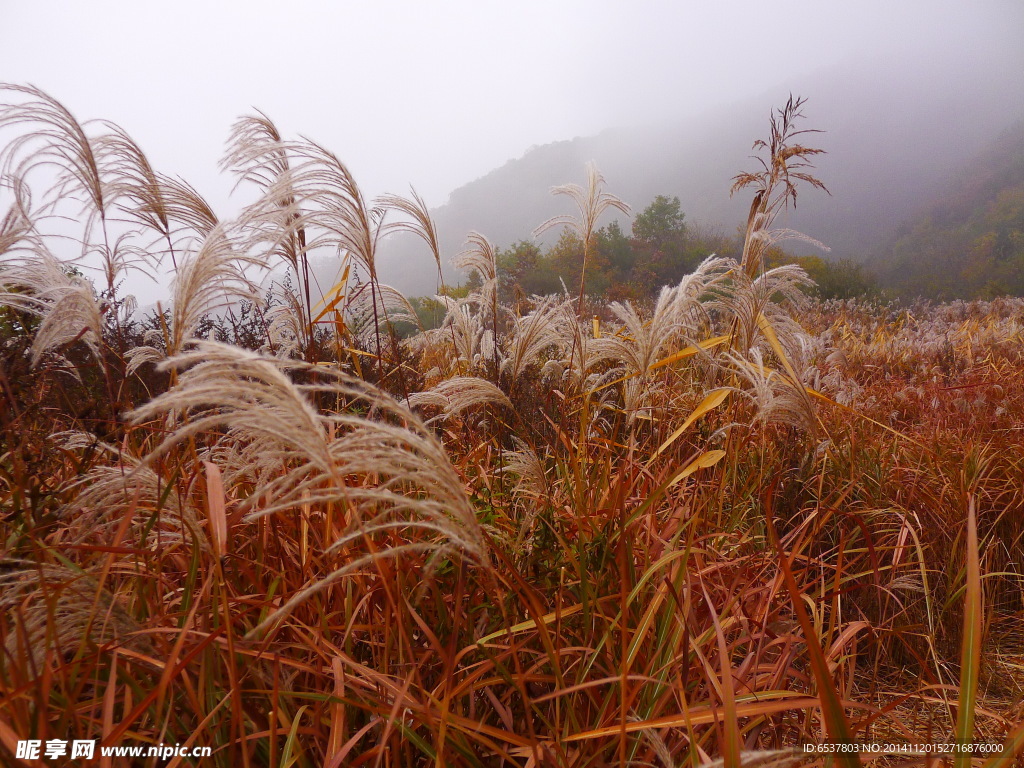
column 437, row 94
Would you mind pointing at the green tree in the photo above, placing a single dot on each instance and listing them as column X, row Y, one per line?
column 615, row 247
column 660, row 235
column 523, row 270
column 661, row 224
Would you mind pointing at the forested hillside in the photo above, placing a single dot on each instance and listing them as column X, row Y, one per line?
column 969, row 242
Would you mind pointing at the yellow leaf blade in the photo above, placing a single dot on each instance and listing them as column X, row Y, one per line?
column 709, row 403
column 705, row 460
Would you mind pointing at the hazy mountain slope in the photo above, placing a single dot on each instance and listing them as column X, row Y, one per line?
column 969, row 241
column 892, row 135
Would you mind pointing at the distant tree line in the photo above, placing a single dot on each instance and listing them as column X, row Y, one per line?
column 660, row 250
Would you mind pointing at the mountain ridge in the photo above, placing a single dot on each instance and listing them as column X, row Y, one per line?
column 889, row 145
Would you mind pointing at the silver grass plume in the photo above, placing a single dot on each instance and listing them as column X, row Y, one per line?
column 286, row 329
column 388, row 474
column 55, row 143
column 775, row 184
column 16, row 224
column 577, row 353
column 532, row 489
column 777, row 397
column 66, row 304
column 208, row 280
column 34, row 281
column 309, row 201
column 167, row 206
column 274, row 224
column 680, row 318
column 531, row 336
column 361, row 319
column 54, row 607
column 773, row 294
column 479, row 256
column 107, row 494
column 53, row 140
column 591, row 203
column 457, row 394
column 462, row 338
column 419, row 223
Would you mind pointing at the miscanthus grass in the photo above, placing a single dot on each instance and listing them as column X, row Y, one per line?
column 300, row 529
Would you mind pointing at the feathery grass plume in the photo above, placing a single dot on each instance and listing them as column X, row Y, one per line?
column 107, row 494
column 776, row 295
column 531, row 489
column 55, row 142
column 455, row 395
column 480, row 257
column 286, row 329
column 364, row 323
column 462, row 342
column 389, row 474
column 67, row 305
column 577, row 354
column 680, row 318
column 17, row 247
column 531, row 336
column 335, row 204
column 34, row 281
column 208, row 280
column 257, row 154
column 186, row 206
column 421, row 223
column 778, row 398
column 157, row 202
column 775, row 184
column 760, row 313
column 73, row 312
column 159, row 517
column 310, row 200
column 223, row 387
column 16, row 224
column 526, row 464
column 591, row 202
column 60, row 608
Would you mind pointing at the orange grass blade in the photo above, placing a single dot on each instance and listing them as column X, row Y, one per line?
column 698, row 716
column 109, row 697
column 335, row 292
column 731, row 748
column 970, row 658
column 217, row 509
column 337, row 732
column 1013, row 746
column 10, row 741
column 836, row 724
